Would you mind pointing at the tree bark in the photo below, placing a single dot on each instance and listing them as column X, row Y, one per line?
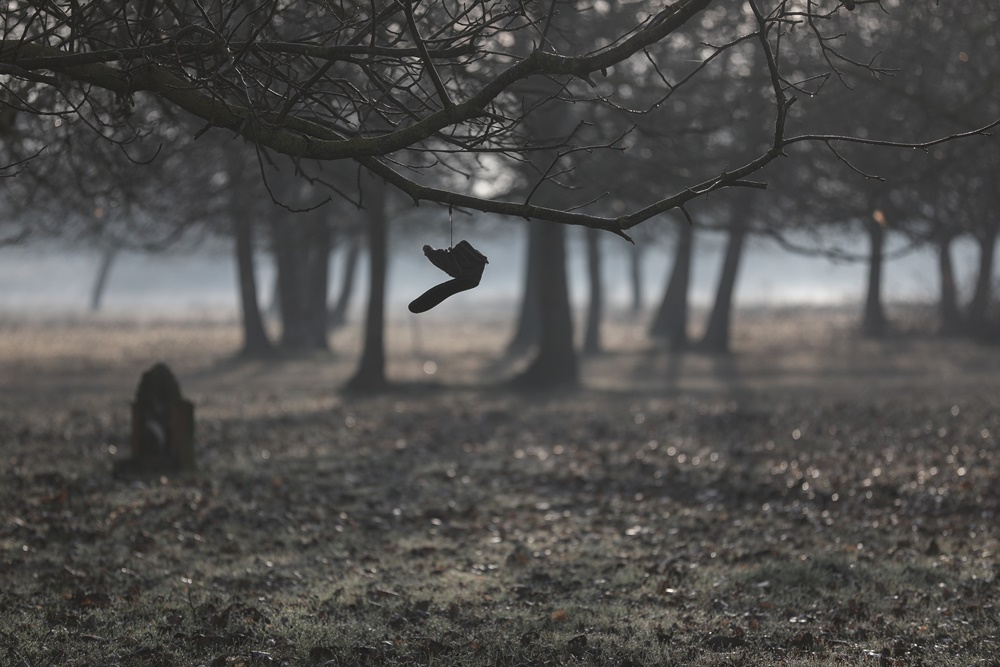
column 370, row 374
column 949, row 313
column 302, row 255
column 319, row 243
column 595, row 308
column 526, row 333
column 290, row 287
column 716, row 337
column 255, row 341
column 671, row 320
column 554, row 365
column 977, row 318
column 338, row 316
column 874, row 323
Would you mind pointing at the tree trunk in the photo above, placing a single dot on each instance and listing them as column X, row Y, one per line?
column 874, row 322
column 595, row 309
column 302, row 255
column 255, row 340
column 101, row 281
column 290, row 287
column 338, row 316
column 319, row 242
column 635, row 275
column 948, row 310
column 716, row 338
column 526, row 334
column 241, row 213
column 670, row 322
column 370, row 375
column 555, row 362
column 978, row 326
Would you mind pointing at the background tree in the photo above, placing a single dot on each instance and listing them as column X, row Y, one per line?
column 415, row 94
column 380, row 79
column 922, row 196
column 370, row 375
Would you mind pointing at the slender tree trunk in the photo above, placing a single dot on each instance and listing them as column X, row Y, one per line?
column 978, row 326
column 274, row 303
column 338, row 316
column 635, row 276
column 874, row 323
column 671, row 320
column 595, row 309
column 317, row 274
column 255, row 340
column 948, row 311
column 555, row 362
column 101, row 281
column 716, row 338
column 370, row 374
column 242, row 214
column 526, row 334
column 291, row 285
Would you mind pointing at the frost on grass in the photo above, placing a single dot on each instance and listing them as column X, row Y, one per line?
column 821, row 515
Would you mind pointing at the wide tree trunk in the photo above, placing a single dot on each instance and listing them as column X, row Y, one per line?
column 595, row 308
column 716, row 337
column 302, row 254
column 555, row 363
column 976, row 315
column 874, row 322
column 338, row 315
column 370, row 374
column 948, row 310
column 526, row 333
column 671, row 319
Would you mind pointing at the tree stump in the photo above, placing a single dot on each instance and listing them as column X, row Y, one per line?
column 162, row 427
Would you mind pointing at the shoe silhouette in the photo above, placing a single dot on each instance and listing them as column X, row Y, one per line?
column 463, row 263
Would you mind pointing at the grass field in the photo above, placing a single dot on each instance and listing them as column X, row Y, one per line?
column 812, row 499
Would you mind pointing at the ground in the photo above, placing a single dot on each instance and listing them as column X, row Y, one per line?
column 811, row 499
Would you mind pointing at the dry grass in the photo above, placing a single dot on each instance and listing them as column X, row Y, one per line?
column 814, row 499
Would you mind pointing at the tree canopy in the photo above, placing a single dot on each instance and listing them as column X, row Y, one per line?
column 431, row 95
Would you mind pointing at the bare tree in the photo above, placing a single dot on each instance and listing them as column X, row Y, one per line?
column 402, row 88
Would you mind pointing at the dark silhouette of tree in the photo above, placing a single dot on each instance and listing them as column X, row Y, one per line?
column 555, row 363
column 417, row 94
column 370, row 375
column 873, row 322
column 595, row 302
column 101, row 279
column 526, row 329
column 338, row 314
column 243, row 214
column 670, row 321
column 717, row 331
column 373, row 80
column 940, row 69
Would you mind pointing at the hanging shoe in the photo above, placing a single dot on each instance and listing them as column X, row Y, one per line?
column 463, row 263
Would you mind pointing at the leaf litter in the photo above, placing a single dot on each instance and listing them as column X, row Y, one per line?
column 478, row 527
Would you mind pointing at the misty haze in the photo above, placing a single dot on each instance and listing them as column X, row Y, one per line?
column 491, row 333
